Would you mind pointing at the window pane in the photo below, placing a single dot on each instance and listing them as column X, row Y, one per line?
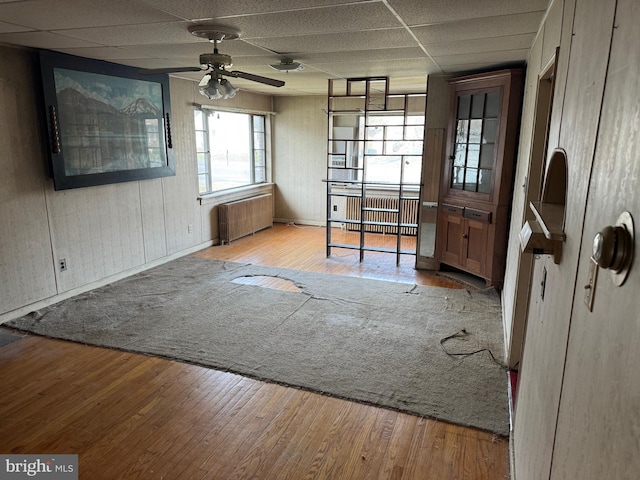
column 258, row 140
column 395, row 133
column 258, row 158
column 412, row 168
column 383, row 169
column 374, row 133
column 200, row 142
column 414, row 133
column 203, row 184
column 199, row 119
column 374, row 148
column 258, row 123
column 202, row 163
column 261, row 176
column 230, row 150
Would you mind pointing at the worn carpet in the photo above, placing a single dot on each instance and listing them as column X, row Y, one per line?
column 366, row 340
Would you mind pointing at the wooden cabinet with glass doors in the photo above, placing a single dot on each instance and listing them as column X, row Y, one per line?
column 477, row 183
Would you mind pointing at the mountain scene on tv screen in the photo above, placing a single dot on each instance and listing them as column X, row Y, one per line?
column 108, row 124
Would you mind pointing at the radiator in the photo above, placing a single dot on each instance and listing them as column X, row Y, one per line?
column 409, row 214
column 244, row 217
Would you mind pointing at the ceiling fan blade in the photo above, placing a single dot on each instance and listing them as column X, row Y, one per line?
column 156, row 71
column 255, row 78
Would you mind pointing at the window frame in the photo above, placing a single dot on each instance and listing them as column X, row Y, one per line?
column 253, row 149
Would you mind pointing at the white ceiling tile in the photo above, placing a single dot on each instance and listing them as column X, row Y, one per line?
column 382, row 68
column 147, row 34
column 479, row 45
column 439, row 11
column 11, row 28
column 193, row 50
column 347, row 18
column 62, row 14
column 199, row 9
column 361, row 55
column 391, row 38
column 43, row 40
column 102, row 53
column 481, row 28
column 486, row 58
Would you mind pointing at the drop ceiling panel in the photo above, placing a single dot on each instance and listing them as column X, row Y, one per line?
column 440, row 11
column 487, row 58
column 368, row 16
column 11, row 28
column 482, row 28
column 479, row 45
column 193, row 50
column 396, row 37
column 205, row 9
column 102, row 53
column 392, row 67
column 361, row 55
column 43, row 40
column 62, row 14
column 147, row 34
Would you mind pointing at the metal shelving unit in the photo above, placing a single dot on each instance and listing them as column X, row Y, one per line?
column 375, row 144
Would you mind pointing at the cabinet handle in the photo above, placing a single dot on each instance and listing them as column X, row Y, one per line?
column 464, row 235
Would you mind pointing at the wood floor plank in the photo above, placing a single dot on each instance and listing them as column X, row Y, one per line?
column 131, row 416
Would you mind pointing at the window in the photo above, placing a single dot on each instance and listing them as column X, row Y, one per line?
column 230, row 150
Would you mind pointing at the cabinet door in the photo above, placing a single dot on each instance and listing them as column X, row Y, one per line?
column 475, row 246
column 453, row 228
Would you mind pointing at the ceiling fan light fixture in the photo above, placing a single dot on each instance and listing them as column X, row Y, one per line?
column 214, row 88
column 287, row 65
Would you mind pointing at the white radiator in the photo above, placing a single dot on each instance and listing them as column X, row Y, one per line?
column 244, row 217
column 409, row 214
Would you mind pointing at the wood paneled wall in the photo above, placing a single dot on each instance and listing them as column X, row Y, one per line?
column 300, row 159
column 103, row 232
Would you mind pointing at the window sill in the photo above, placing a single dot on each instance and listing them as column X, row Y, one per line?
column 234, row 194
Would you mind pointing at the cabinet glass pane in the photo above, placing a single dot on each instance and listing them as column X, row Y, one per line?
column 460, row 155
column 471, row 179
column 490, row 130
column 487, row 155
column 477, row 105
column 475, row 131
column 462, row 131
column 493, row 105
column 473, row 155
column 464, row 105
column 457, row 178
column 484, row 184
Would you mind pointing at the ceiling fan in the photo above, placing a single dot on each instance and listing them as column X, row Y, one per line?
column 213, row 85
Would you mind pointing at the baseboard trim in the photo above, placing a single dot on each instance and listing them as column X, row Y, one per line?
column 19, row 312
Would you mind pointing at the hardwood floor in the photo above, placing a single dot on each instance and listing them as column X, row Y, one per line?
column 131, row 416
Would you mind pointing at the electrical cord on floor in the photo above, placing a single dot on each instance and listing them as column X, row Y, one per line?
column 461, row 333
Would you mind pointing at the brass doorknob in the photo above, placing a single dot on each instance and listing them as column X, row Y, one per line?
column 613, row 248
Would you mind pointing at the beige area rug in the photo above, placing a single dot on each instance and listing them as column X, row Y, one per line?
column 366, row 340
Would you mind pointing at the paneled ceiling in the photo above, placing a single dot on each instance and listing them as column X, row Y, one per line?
column 405, row 40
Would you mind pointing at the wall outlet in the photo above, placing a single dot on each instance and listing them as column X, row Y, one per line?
column 62, row 263
column 335, row 208
column 190, row 228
